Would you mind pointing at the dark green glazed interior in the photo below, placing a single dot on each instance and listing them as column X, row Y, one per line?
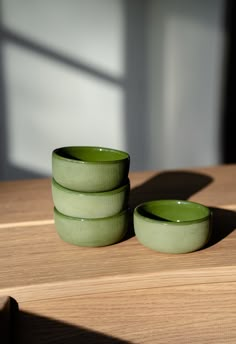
column 175, row 211
column 90, row 154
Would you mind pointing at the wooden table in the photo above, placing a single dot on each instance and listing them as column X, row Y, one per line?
column 123, row 293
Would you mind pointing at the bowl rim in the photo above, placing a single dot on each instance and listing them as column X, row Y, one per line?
column 173, row 222
column 56, row 151
column 85, row 193
column 81, row 219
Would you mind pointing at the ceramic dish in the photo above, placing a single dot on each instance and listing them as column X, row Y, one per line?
column 91, row 232
column 90, row 169
column 172, row 226
column 90, row 204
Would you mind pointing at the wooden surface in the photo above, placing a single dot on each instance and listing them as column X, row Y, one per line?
column 125, row 292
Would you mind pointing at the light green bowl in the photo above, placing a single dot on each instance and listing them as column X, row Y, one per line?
column 91, row 232
column 172, row 226
column 90, row 204
column 90, row 169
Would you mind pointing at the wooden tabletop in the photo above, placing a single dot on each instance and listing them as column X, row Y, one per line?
column 124, row 292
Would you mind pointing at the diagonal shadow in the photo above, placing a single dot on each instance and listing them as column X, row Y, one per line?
column 57, row 56
column 173, row 185
column 28, row 328
column 223, row 223
column 7, row 170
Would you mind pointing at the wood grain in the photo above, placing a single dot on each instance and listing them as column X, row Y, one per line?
column 26, row 200
column 125, row 290
column 38, row 259
column 202, row 314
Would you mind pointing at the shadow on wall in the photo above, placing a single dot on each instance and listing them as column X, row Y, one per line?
column 145, row 134
column 228, row 121
column 185, row 87
column 133, row 84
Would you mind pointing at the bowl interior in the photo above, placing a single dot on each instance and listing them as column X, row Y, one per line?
column 173, row 211
column 90, row 154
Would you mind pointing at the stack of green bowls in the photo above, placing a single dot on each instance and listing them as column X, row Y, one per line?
column 90, row 189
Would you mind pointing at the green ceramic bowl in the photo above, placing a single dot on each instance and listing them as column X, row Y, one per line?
column 90, row 169
column 91, row 232
column 172, row 226
column 90, row 204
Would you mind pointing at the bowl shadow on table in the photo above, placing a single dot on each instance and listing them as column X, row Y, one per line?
column 223, row 224
column 31, row 328
column 166, row 185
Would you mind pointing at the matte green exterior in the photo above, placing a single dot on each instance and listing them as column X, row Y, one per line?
column 91, row 232
column 96, row 169
column 90, row 205
column 181, row 227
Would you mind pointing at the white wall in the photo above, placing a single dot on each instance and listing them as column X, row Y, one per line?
column 186, row 45
column 51, row 104
column 143, row 76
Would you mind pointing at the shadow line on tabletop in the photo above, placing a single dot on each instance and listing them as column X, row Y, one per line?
column 223, row 224
column 32, row 328
column 169, row 185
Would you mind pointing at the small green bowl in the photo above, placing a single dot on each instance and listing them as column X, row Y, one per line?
column 172, row 226
column 90, row 169
column 91, row 232
column 90, row 204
